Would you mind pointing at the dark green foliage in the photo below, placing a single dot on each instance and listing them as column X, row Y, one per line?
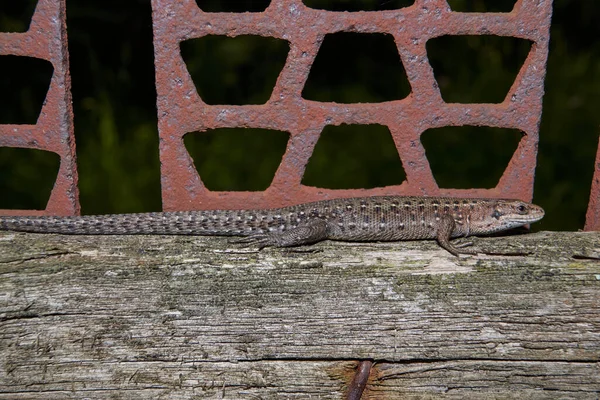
column 464, row 157
column 570, row 128
column 15, row 15
column 357, row 68
column 242, row 70
column 24, row 82
column 354, row 156
column 26, row 177
column 476, row 69
column 114, row 99
column 236, row 158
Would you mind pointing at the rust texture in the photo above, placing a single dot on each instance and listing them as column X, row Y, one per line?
column 181, row 110
column 47, row 39
column 592, row 220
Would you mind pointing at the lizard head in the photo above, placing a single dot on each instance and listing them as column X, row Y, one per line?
column 508, row 214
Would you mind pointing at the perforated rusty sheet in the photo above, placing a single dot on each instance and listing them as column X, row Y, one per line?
column 47, row 39
column 592, row 220
column 181, row 110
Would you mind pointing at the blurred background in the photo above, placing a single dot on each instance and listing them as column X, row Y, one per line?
column 114, row 99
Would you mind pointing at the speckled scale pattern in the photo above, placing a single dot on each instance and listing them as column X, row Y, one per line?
column 359, row 219
column 394, row 218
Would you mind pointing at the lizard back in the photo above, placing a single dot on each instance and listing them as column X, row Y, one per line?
column 361, row 219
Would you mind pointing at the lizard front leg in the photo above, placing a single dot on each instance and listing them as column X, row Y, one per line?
column 445, row 228
column 310, row 232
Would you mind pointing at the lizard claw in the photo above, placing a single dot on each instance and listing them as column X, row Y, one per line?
column 460, row 244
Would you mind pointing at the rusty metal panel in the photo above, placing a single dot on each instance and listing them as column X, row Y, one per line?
column 181, row 110
column 47, row 39
column 592, row 219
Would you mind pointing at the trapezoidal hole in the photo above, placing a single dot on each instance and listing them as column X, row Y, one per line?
column 233, row 5
column 24, row 83
column 358, row 5
column 237, row 159
column 482, row 5
column 357, row 68
column 27, row 177
column 15, row 15
column 478, row 68
column 239, row 70
column 354, row 156
column 463, row 157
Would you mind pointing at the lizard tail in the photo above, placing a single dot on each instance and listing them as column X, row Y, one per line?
column 87, row 225
column 213, row 223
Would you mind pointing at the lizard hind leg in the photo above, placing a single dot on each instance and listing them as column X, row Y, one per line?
column 310, row 232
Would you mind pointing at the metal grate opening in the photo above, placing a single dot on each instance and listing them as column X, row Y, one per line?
column 234, row 80
column 354, row 156
column 488, row 63
column 236, row 159
column 15, row 15
column 233, row 5
column 357, row 5
column 357, row 68
column 27, row 177
column 24, row 83
column 472, row 149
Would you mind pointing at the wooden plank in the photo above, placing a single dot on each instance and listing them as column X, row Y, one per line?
column 473, row 379
column 140, row 316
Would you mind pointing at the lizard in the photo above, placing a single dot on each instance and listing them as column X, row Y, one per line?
column 377, row 218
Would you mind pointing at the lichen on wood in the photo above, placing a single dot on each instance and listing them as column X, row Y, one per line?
column 150, row 316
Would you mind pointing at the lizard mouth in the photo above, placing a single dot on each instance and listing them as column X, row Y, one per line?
column 528, row 220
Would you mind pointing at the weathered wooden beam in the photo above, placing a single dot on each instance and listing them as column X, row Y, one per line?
column 139, row 316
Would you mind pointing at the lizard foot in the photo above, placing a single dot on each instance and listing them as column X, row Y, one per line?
column 461, row 244
column 308, row 233
column 455, row 247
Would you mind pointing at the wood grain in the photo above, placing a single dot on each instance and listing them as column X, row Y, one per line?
column 193, row 317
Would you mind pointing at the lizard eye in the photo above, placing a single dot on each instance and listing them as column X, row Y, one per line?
column 521, row 209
